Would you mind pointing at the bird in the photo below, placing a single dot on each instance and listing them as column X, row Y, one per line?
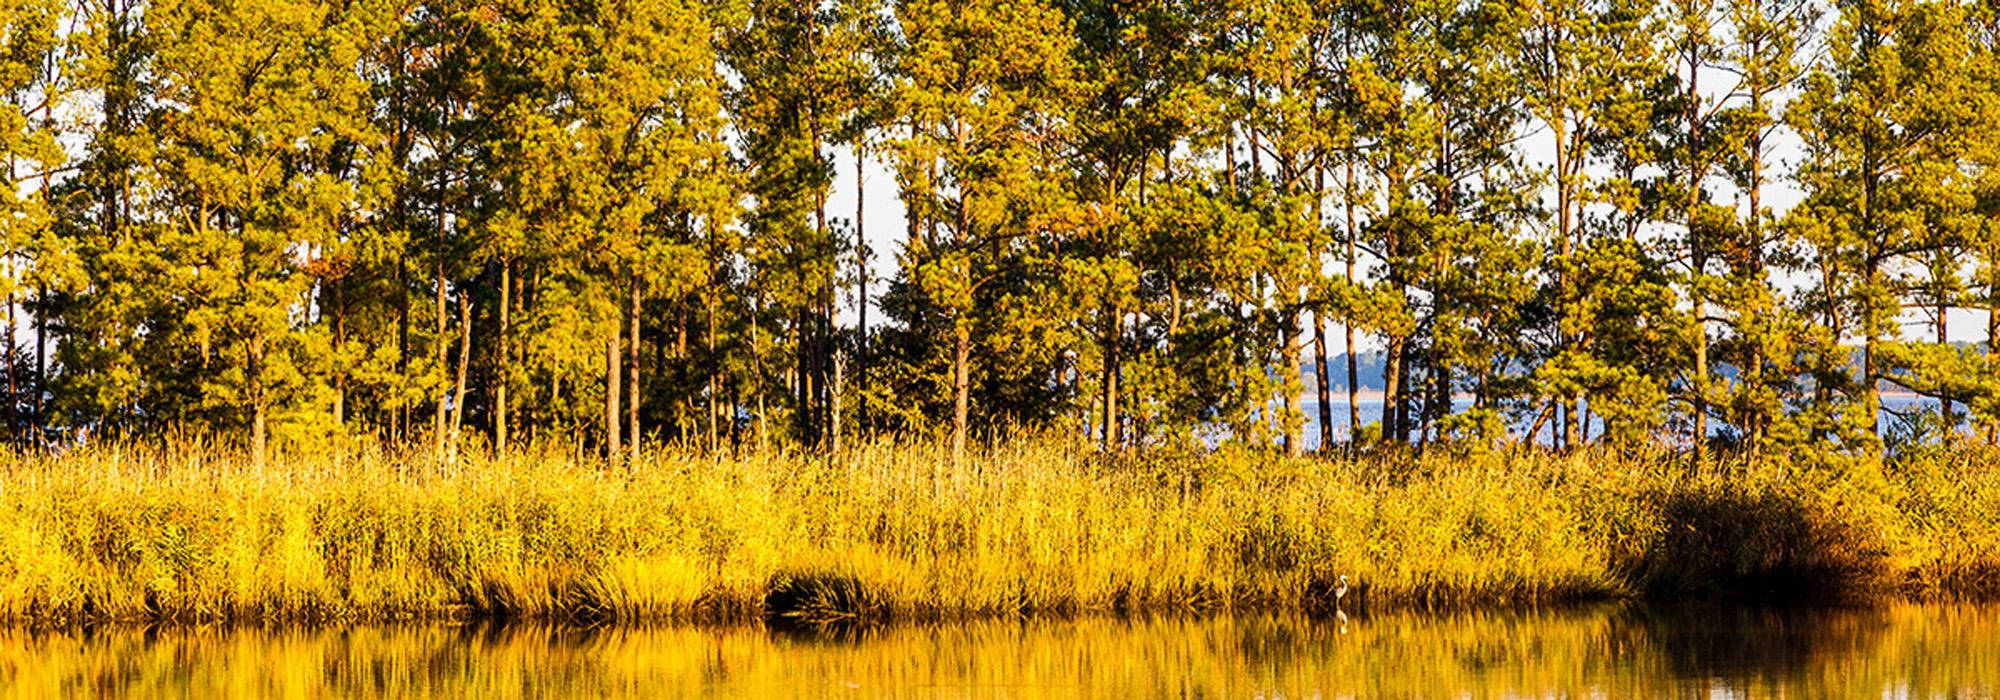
column 1339, row 592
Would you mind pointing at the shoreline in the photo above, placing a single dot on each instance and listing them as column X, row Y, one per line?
column 888, row 533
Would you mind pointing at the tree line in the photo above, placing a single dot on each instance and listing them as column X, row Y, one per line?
column 1149, row 221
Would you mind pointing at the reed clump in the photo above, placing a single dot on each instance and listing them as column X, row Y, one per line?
column 191, row 533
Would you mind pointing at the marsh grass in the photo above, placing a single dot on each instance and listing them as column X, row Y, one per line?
column 190, row 533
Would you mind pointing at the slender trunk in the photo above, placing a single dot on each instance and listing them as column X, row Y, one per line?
column 1395, row 427
column 961, row 385
column 1945, row 406
column 1353, row 362
column 1992, row 346
column 1295, row 367
column 612, row 374
column 708, row 340
column 41, row 361
column 1437, row 405
column 860, row 287
column 259, row 404
column 440, row 361
column 830, row 361
column 820, row 403
column 400, row 423
column 504, row 369
column 1109, row 398
column 834, row 386
column 1229, row 163
column 1407, row 350
column 1871, row 400
column 757, row 361
column 1566, row 418
column 1698, row 255
column 459, row 383
column 683, row 432
column 1393, row 389
column 1322, row 392
column 1758, row 418
column 13, row 391
column 961, row 357
column 340, row 375
column 632, row 381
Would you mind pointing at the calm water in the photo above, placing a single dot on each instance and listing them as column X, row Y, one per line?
column 1904, row 651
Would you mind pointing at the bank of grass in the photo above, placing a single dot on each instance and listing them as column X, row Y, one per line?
column 185, row 533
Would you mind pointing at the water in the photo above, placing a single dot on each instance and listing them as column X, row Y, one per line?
column 1901, row 651
column 1371, row 412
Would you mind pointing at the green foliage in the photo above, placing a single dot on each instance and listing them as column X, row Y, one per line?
column 1160, row 224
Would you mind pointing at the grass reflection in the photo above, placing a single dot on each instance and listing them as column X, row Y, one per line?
column 1938, row 650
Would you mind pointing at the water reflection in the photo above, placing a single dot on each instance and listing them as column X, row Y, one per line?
column 1900, row 651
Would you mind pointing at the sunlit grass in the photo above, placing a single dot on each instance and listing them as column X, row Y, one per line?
column 190, row 533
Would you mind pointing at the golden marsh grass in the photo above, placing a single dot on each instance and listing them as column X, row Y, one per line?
column 893, row 531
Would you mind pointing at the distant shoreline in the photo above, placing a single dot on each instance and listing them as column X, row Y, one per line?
column 1377, row 396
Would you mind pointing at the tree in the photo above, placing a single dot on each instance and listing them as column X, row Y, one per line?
column 1581, row 62
column 35, row 87
column 982, row 87
column 1764, row 56
column 1883, row 125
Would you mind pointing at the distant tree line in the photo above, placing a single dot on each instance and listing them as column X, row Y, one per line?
column 1147, row 221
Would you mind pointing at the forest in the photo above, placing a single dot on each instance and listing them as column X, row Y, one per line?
column 1697, row 225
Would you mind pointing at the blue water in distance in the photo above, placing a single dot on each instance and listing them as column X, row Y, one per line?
column 1371, row 412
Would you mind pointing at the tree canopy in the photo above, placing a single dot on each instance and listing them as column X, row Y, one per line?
column 1700, row 224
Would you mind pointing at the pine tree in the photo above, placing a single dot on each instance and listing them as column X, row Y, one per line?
column 1883, row 124
column 35, row 89
column 1580, row 62
column 982, row 87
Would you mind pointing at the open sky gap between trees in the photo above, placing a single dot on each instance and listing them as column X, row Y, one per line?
column 610, row 223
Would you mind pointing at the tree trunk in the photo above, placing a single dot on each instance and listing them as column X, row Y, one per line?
column 1698, row 255
column 632, row 381
column 340, row 375
column 1353, row 362
column 1993, row 346
column 860, row 287
column 830, row 362
column 41, row 363
column 1322, row 392
column 611, row 391
column 1404, row 404
column 441, row 360
column 1392, row 389
column 757, row 361
column 259, row 405
column 1758, row 420
column 400, row 422
column 714, row 394
column 1108, row 399
column 1945, row 406
column 961, row 386
column 458, row 382
column 1294, row 366
column 1566, row 418
column 505, row 367
column 13, row 391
